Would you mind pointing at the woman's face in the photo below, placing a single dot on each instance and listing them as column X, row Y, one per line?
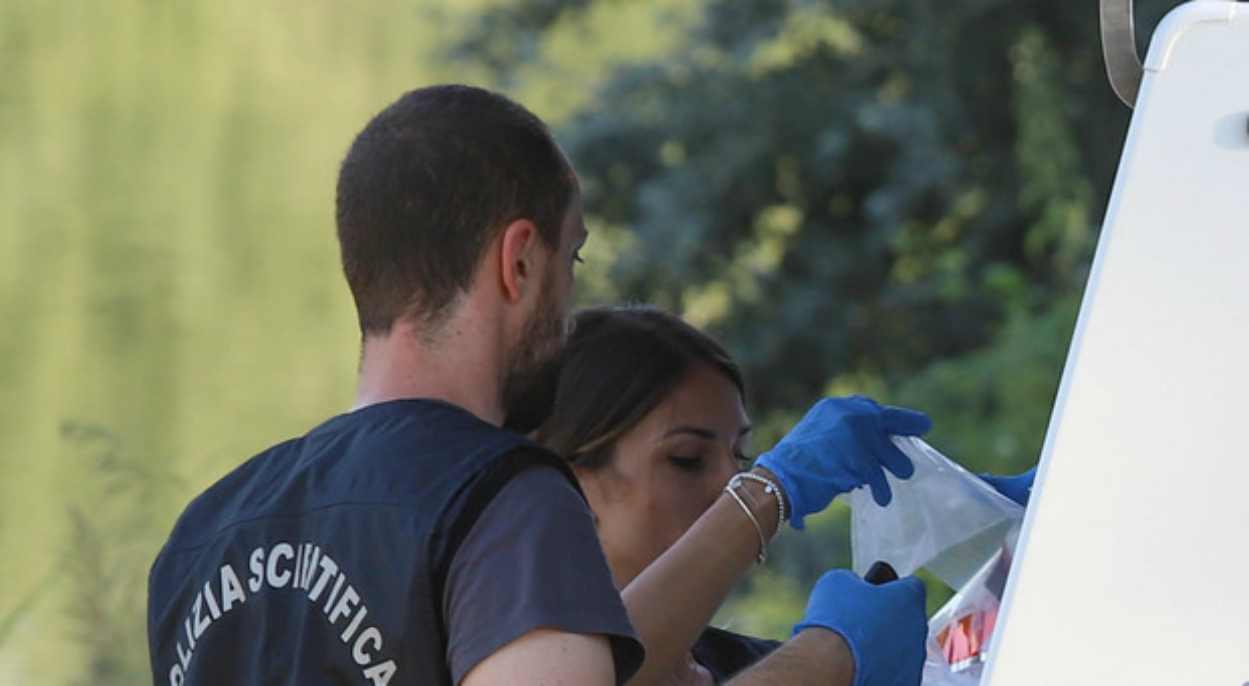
column 667, row 470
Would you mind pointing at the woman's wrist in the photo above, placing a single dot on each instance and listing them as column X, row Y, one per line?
column 764, row 497
column 762, row 501
column 774, row 493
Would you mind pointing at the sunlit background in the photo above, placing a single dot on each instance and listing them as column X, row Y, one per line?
column 892, row 197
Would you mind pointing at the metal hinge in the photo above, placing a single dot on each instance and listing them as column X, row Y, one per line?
column 1123, row 64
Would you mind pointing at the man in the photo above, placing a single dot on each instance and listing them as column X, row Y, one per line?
column 413, row 540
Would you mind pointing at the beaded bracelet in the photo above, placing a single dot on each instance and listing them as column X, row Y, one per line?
column 769, row 487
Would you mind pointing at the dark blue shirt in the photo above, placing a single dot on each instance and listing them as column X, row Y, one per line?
column 334, row 558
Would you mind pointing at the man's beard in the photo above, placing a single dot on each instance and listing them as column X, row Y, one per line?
column 533, row 374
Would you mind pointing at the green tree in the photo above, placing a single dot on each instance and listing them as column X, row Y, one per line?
column 887, row 197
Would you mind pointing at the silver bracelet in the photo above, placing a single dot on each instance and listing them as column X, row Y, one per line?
column 763, row 543
column 769, row 487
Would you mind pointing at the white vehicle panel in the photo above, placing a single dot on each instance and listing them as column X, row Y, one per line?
column 1133, row 565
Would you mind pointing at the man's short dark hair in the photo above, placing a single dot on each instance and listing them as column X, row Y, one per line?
column 428, row 184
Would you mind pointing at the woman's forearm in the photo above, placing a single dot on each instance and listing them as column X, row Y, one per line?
column 672, row 600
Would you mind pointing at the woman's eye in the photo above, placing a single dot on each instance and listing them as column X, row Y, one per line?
column 576, row 257
column 688, row 464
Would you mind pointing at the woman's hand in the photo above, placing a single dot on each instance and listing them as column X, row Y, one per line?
column 1018, row 488
column 884, row 625
column 840, row 445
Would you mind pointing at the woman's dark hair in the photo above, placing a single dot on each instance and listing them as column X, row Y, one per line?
column 618, row 365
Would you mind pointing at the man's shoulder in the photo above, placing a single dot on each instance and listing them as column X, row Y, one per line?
column 407, row 454
column 229, row 497
column 526, row 489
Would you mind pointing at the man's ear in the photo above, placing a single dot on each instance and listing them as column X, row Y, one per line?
column 521, row 259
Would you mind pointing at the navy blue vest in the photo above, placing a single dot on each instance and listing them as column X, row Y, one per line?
column 726, row 654
column 322, row 560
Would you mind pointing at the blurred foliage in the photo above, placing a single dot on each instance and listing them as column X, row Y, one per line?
column 116, row 522
column 887, row 197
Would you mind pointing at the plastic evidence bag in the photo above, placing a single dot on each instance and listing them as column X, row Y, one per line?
column 960, row 529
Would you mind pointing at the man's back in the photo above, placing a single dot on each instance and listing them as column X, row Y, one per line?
column 324, row 559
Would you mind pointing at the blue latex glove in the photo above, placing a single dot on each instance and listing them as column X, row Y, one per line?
column 1018, row 488
column 884, row 626
column 841, row 444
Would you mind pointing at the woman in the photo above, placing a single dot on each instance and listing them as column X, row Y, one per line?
column 650, row 413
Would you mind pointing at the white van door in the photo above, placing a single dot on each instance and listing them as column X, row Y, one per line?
column 1133, row 565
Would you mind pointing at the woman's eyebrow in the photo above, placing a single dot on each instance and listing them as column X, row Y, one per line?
column 701, row 432
column 698, row 431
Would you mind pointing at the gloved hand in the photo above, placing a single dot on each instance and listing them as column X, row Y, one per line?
column 841, row 444
column 1018, row 488
column 884, row 626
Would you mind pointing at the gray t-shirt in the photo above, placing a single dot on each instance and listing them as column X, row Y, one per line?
column 532, row 560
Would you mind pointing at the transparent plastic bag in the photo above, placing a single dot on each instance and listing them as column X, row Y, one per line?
column 958, row 527
column 943, row 518
column 960, row 632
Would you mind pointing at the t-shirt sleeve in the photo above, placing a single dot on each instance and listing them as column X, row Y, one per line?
column 532, row 560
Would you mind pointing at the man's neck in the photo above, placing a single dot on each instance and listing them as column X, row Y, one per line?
column 461, row 365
